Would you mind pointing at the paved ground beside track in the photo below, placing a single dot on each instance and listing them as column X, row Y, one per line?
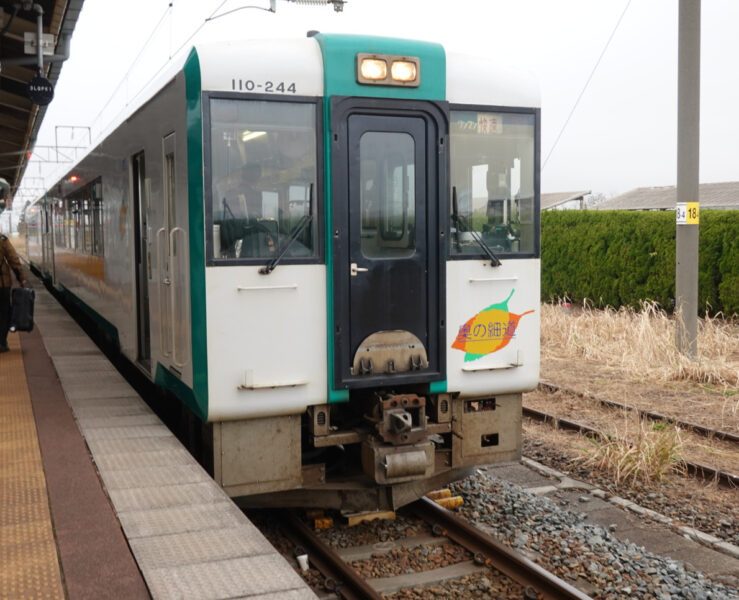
column 98, row 499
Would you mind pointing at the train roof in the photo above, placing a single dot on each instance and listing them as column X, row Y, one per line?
column 228, row 66
column 325, row 65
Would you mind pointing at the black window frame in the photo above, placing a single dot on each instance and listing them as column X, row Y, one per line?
column 536, row 112
column 318, row 192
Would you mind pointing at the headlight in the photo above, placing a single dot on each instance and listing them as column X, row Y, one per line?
column 403, row 70
column 372, row 69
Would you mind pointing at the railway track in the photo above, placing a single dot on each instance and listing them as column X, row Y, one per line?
column 341, row 578
column 693, row 468
column 645, row 414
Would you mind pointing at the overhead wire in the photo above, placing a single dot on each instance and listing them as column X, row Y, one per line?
column 161, row 68
column 585, row 87
column 228, row 12
column 135, row 60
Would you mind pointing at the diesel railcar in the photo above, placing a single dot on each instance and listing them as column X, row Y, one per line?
column 327, row 250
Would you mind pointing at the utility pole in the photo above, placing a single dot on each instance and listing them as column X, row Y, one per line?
column 688, row 155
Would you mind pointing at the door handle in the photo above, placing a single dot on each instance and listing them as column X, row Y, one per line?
column 354, row 269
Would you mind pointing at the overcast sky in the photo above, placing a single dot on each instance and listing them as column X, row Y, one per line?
column 622, row 134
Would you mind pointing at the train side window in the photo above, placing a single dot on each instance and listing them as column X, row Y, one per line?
column 80, row 219
column 59, row 223
column 97, row 218
column 492, row 170
column 87, row 203
column 263, row 172
column 76, row 224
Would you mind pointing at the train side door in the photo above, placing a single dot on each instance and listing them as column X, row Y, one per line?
column 171, row 251
column 141, row 189
column 47, row 237
column 388, row 273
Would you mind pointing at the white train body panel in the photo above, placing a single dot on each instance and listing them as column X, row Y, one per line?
column 266, row 340
column 473, row 286
column 259, row 62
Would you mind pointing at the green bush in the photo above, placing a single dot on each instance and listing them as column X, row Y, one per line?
column 619, row 258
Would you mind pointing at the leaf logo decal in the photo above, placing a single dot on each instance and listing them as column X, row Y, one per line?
column 488, row 331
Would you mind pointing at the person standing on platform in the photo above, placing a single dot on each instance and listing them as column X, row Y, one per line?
column 8, row 261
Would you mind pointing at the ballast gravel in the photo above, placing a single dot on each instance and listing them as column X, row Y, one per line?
column 707, row 514
column 584, row 554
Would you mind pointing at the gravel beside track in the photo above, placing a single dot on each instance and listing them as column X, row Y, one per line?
column 587, row 555
column 688, row 503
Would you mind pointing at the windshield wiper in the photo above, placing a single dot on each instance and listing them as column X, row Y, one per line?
column 299, row 228
column 462, row 224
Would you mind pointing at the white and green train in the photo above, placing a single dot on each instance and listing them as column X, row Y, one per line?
column 327, row 249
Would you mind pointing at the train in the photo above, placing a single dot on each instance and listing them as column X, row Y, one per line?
column 326, row 251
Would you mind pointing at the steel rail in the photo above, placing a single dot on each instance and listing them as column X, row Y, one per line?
column 647, row 414
column 489, row 551
column 341, row 578
column 694, row 469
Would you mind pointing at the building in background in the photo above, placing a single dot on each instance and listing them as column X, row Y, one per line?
column 565, row 200
column 723, row 196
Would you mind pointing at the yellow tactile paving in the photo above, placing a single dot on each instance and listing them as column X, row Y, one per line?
column 29, row 564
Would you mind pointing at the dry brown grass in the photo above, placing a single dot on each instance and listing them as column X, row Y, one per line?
column 642, row 342
column 628, row 425
column 566, row 450
column 649, row 456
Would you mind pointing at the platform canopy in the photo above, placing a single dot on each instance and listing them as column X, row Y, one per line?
column 20, row 118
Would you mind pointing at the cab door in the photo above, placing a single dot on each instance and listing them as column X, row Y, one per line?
column 388, row 167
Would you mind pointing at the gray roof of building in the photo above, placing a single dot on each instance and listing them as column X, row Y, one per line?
column 711, row 195
column 555, row 199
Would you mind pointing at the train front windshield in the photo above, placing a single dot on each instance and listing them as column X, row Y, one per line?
column 263, row 179
column 492, row 177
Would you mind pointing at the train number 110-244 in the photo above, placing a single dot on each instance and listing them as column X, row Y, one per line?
column 268, row 87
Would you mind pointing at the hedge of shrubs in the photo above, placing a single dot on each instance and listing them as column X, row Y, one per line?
column 619, row 258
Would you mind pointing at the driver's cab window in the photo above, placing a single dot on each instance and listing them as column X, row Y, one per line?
column 263, row 173
column 492, row 176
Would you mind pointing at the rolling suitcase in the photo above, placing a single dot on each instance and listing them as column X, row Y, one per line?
column 21, row 311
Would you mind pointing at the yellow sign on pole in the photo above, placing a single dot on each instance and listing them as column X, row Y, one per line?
column 687, row 213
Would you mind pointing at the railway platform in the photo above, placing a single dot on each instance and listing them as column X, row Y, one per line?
column 98, row 499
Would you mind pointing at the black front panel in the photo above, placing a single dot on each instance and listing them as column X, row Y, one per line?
column 388, row 162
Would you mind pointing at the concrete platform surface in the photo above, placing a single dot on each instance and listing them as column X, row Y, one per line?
column 130, row 513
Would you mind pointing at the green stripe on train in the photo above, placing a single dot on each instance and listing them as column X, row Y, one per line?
column 198, row 400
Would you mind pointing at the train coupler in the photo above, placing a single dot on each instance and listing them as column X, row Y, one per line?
column 387, row 464
column 400, row 419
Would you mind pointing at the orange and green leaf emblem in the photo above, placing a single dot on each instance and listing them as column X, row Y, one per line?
column 488, row 331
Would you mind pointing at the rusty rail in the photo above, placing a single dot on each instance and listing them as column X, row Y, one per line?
column 694, row 469
column 645, row 414
column 491, row 552
column 340, row 577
